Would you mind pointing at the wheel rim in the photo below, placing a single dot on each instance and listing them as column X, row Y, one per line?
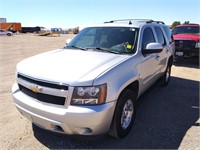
column 167, row 74
column 127, row 114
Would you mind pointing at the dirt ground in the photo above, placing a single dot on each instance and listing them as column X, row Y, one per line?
column 167, row 118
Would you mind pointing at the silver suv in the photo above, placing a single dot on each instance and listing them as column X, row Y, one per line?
column 90, row 86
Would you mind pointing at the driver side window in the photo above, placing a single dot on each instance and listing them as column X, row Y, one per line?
column 87, row 40
column 148, row 37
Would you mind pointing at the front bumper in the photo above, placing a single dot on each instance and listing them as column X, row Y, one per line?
column 186, row 47
column 190, row 52
column 80, row 120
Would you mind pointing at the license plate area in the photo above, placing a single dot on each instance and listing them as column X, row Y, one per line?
column 179, row 53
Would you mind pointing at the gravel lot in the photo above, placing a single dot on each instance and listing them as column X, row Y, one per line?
column 167, row 118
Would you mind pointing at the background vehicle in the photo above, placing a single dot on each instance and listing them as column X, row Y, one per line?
column 93, row 83
column 31, row 29
column 13, row 26
column 4, row 32
column 187, row 39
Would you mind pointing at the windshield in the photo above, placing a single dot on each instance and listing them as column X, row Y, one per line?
column 186, row 30
column 106, row 39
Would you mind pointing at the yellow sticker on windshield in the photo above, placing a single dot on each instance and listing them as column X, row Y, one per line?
column 129, row 46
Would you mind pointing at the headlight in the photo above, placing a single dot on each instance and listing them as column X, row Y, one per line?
column 197, row 45
column 92, row 95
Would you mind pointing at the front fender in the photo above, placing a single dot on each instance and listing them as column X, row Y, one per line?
column 118, row 78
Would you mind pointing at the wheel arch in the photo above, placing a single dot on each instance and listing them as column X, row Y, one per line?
column 170, row 61
column 134, row 86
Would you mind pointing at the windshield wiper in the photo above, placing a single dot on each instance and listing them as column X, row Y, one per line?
column 104, row 50
column 76, row 47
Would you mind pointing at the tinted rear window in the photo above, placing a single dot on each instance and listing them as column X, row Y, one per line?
column 160, row 35
column 168, row 33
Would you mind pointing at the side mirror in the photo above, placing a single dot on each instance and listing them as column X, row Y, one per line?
column 67, row 41
column 152, row 48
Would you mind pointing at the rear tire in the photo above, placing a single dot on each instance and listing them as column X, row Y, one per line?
column 8, row 34
column 124, row 115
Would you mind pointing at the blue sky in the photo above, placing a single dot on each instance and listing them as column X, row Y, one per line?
column 72, row 13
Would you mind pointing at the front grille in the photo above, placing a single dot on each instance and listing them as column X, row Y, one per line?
column 43, row 97
column 50, row 85
column 185, row 44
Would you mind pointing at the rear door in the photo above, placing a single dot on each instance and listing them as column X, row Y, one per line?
column 162, row 56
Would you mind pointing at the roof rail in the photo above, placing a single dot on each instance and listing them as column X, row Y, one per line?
column 129, row 20
column 135, row 20
column 152, row 21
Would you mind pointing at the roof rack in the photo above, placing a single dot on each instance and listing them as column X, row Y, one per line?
column 152, row 21
column 135, row 20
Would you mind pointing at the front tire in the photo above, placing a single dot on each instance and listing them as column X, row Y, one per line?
column 124, row 115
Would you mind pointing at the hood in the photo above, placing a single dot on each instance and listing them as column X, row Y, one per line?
column 195, row 37
column 69, row 66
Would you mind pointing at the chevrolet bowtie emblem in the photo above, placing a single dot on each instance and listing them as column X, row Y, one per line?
column 36, row 89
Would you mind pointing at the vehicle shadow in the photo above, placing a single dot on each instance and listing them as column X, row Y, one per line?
column 164, row 115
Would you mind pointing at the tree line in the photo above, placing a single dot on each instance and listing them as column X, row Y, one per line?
column 176, row 23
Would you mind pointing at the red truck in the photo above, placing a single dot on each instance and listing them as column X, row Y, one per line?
column 187, row 40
